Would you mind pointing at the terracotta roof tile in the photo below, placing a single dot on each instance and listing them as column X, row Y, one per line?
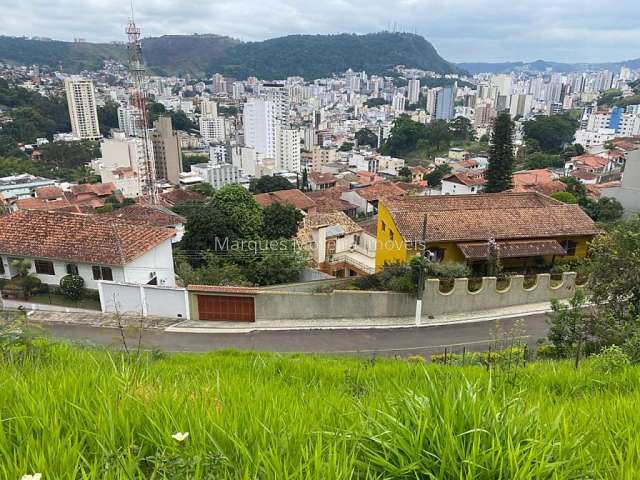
column 293, row 197
column 483, row 216
column 77, row 237
column 155, row 215
column 379, row 191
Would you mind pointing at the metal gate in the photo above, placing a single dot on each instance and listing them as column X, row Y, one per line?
column 228, row 308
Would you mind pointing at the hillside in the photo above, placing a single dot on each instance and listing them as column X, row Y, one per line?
column 543, row 65
column 311, row 56
column 78, row 412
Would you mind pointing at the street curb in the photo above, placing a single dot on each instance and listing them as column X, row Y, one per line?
column 480, row 319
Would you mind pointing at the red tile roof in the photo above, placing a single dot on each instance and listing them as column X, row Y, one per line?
column 77, row 237
column 539, row 180
column 483, row 216
column 155, row 215
column 49, row 193
column 512, row 249
column 322, row 178
column 292, row 197
column 591, row 161
column 379, row 190
column 465, row 179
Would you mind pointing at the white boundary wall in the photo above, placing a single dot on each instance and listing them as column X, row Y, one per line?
column 145, row 300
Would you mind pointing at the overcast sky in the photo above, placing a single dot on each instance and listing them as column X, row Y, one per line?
column 461, row 30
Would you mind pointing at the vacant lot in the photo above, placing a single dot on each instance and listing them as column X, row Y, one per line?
column 77, row 413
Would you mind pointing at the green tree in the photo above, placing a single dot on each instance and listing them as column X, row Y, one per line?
column 277, row 264
column 565, row 197
column 500, row 169
column 188, row 160
column 543, row 160
column 281, row 221
column 237, row 203
column 269, row 183
column 574, row 186
column 614, row 270
column 570, row 326
column 364, row 136
column 214, row 271
column 108, row 117
column 155, row 110
column 551, row 132
column 435, row 176
column 609, row 210
column 305, row 180
column 346, row 147
column 461, row 129
column 405, row 173
column 180, row 121
column 204, row 188
column 69, row 155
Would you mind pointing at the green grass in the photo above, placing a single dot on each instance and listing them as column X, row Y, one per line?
column 61, row 300
column 81, row 413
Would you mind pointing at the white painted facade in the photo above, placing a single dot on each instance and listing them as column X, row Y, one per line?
column 156, row 263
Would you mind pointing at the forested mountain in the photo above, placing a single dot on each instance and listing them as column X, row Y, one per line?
column 542, row 66
column 310, row 56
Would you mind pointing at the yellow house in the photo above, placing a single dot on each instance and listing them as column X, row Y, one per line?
column 530, row 229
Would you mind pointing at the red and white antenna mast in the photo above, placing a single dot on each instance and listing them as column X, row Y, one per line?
column 137, row 75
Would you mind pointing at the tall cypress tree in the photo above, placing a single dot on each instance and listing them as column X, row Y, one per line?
column 500, row 169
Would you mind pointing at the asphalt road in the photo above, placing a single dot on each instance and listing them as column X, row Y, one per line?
column 401, row 341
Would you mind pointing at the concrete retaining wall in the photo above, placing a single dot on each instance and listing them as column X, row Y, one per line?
column 145, row 300
column 461, row 300
column 278, row 305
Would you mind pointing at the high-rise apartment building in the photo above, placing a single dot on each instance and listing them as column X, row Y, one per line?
column 208, row 108
column 260, row 122
column 414, row 91
column 213, row 129
column 444, row 99
column 166, row 151
column 82, row 108
column 288, row 149
column 130, row 120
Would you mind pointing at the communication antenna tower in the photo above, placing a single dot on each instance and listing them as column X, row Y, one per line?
column 137, row 75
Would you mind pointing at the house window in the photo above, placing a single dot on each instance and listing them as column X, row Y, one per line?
column 570, row 247
column 102, row 273
column 436, row 254
column 356, row 239
column 390, row 234
column 72, row 269
column 384, row 226
column 1, row 266
column 44, row 267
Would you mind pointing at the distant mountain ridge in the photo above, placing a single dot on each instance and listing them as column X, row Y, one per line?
column 543, row 65
column 310, row 56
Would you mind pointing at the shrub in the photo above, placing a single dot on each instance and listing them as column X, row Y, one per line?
column 71, row 286
column 549, row 351
column 565, row 197
column 631, row 347
column 448, row 270
column 611, row 359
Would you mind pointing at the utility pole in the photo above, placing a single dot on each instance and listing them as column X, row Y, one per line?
column 423, row 258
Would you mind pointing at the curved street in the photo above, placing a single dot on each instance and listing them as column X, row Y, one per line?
column 424, row 340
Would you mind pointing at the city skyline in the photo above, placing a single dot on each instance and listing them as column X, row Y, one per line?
column 476, row 31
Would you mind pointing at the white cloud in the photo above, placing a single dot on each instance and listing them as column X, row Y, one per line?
column 461, row 30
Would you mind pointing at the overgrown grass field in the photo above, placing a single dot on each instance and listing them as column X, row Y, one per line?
column 73, row 412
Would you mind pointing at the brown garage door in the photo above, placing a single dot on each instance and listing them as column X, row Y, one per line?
column 226, row 308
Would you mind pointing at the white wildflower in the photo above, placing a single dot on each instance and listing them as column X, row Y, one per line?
column 179, row 436
column 35, row 476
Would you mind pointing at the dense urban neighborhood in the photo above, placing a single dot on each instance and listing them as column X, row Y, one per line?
column 461, row 238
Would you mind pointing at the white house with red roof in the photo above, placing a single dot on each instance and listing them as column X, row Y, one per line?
column 96, row 247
